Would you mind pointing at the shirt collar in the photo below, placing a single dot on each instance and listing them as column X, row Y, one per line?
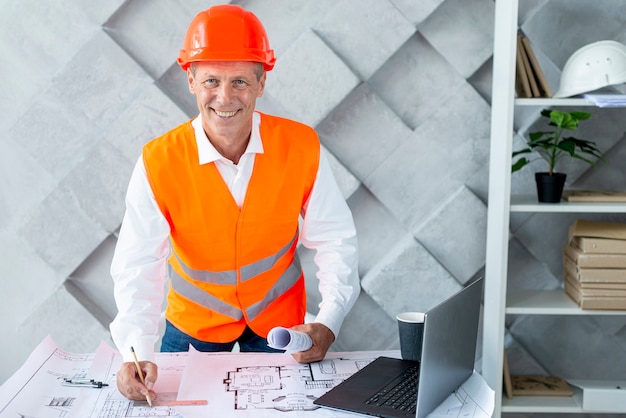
column 207, row 152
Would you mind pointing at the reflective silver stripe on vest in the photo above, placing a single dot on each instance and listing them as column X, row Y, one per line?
column 187, row 289
column 264, row 264
column 284, row 283
column 230, row 276
column 206, row 276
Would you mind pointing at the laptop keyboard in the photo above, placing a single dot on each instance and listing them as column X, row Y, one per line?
column 401, row 393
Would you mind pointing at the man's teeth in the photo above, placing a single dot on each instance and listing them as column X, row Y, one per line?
column 225, row 114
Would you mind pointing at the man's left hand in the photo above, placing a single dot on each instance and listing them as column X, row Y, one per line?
column 322, row 338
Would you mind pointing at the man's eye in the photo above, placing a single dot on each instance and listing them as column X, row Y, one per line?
column 240, row 83
column 209, row 82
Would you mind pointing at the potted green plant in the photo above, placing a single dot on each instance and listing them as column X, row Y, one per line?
column 552, row 146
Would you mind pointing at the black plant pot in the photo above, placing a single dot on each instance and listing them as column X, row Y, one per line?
column 550, row 187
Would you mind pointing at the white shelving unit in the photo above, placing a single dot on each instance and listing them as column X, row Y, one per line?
column 498, row 302
column 527, row 203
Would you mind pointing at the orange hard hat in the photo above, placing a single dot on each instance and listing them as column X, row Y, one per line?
column 226, row 33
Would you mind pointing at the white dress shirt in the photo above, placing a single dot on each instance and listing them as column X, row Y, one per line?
column 139, row 263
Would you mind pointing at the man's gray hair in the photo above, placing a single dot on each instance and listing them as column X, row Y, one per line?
column 258, row 69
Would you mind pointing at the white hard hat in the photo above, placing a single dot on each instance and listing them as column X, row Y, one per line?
column 593, row 66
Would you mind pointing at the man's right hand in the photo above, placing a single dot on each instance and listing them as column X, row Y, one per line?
column 129, row 383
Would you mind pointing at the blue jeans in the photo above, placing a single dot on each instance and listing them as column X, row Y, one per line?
column 174, row 340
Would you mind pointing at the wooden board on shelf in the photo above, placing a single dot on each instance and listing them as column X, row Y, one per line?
column 521, row 54
column 544, row 87
column 594, row 196
column 523, row 86
column 533, row 385
column 508, row 386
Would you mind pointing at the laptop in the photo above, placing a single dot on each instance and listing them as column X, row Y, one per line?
column 448, row 353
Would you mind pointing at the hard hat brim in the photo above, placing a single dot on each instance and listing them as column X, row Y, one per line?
column 202, row 54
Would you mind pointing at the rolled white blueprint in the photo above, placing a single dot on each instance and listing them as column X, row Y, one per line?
column 289, row 340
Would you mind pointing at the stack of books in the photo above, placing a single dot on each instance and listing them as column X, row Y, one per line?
column 594, row 264
column 594, row 196
column 529, row 79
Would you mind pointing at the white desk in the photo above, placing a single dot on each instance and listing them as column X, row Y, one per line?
column 235, row 384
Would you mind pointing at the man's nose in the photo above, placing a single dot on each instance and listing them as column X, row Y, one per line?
column 224, row 93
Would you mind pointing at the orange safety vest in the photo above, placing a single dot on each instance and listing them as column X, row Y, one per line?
column 231, row 267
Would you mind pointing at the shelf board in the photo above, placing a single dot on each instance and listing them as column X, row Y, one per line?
column 555, row 404
column 529, row 203
column 545, row 101
column 537, row 404
column 548, row 302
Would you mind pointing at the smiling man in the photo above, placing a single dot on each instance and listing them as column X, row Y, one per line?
column 226, row 94
column 217, row 207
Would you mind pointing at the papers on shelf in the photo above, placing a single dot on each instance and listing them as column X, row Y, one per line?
column 606, row 100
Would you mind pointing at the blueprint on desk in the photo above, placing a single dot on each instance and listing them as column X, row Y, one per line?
column 259, row 385
column 111, row 404
column 36, row 390
column 265, row 385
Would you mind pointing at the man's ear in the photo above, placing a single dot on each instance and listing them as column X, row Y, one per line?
column 190, row 81
column 262, row 83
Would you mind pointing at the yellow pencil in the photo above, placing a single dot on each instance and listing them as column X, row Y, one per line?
column 141, row 375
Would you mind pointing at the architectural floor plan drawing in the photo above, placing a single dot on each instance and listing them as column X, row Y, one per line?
column 110, row 403
column 115, row 406
column 291, row 387
column 37, row 390
column 265, row 385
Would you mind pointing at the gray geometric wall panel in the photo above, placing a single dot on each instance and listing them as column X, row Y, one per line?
column 398, row 91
